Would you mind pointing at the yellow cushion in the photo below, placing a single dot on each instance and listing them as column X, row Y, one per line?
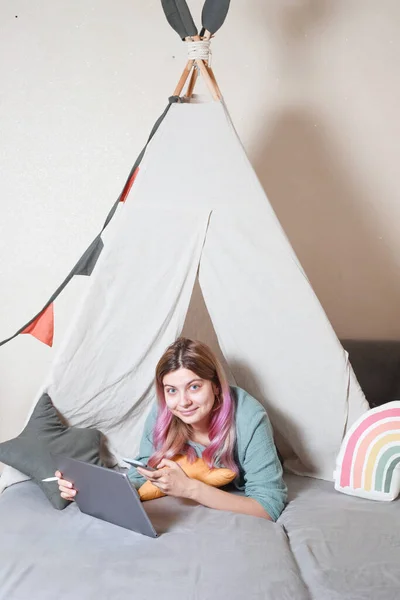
column 196, row 470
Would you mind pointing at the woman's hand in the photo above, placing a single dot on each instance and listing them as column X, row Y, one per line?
column 66, row 488
column 170, row 479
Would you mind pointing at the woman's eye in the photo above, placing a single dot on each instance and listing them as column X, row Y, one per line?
column 195, row 386
column 171, row 391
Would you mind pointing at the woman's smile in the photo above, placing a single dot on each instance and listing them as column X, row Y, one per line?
column 188, row 412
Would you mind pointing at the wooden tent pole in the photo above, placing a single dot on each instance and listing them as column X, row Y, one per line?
column 192, row 83
column 211, row 73
column 210, row 84
column 183, row 79
column 207, row 36
column 204, row 70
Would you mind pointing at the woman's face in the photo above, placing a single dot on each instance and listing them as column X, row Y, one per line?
column 189, row 397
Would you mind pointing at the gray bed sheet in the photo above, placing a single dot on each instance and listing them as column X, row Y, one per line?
column 201, row 554
column 325, row 546
column 346, row 548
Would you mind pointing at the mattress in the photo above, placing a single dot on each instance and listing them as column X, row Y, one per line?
column 346, row 548
column 201, row 554
column 325, row 546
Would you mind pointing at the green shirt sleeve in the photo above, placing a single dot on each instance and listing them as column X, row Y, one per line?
column 259, row 462
column 146, row 448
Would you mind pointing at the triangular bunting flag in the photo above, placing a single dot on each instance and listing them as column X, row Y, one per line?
column 88, row 260
column 42, row 327
column 128, row 185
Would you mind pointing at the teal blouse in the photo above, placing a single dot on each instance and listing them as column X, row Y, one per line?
column 260, row 471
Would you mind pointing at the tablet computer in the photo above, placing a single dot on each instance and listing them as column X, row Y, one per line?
column 106, row 494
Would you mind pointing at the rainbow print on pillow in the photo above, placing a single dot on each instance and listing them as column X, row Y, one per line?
column 368, row 464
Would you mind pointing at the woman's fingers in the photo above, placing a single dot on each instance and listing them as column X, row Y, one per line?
column 151, row 475
column 67, row 497
column 67, row 490
column 155, row 475
column 157, row 478
column 67, row 493
column 166, row 463
column 65, row 483
column 161, row 484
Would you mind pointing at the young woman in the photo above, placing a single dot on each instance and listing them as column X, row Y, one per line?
column 199, row 415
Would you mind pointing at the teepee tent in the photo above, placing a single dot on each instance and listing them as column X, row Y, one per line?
column 192, row 240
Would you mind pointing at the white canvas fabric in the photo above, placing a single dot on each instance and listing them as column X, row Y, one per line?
column 197, row 202
column 136, row 305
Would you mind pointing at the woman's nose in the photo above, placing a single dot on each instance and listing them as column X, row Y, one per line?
column 185, row 401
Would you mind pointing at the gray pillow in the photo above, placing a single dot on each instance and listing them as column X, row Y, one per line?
column 46, row 434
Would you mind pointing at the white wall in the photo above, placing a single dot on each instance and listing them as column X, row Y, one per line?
column 313, row 87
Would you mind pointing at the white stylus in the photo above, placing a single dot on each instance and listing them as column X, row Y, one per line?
column 50, row 479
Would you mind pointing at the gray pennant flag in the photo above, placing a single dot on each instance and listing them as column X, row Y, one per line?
column 88, row 260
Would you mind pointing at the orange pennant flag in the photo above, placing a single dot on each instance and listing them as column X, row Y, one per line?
column 129, row 185
column 42, row 327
